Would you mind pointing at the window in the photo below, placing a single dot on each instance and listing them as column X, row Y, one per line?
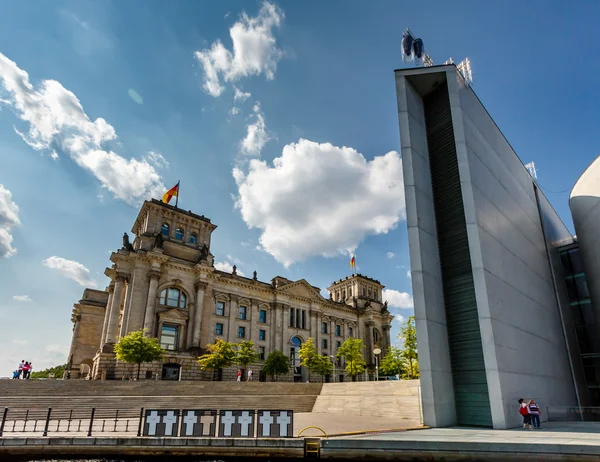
column 173, row 297
column 193, row 238
column 344, row 295
column 324, row 343
column 303, row 319
column 179, row 234
column 364, row 292
column 338, row 330
column 164, row 230
column 298, row 324
column 219, row 329
column 262, row 316
column 338, row 345
column 350, row 292
column 220, row 308
column 243, row 310
column 262, row 335
column 350, row 331
column 369, row 293
column 292, row 317
column 323, row 327
column 241, row 332
column 375, row 336
column 261, row 353
column 337, row 295
column 168, row 337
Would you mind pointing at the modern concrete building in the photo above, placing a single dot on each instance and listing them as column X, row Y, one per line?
column 165, row 282
column 492, row 263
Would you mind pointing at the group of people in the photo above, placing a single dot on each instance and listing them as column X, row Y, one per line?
column 239, row 375
column 531, row 414
column 24, row 370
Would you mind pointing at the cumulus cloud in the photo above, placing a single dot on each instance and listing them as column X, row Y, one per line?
column 235, row 111
column 9, row 218
column 227, row 267
column 398, row 299
column 71, row 269
column 256, row 135
column 390, row 255
column 22, row 298
column 240, row 95
column 156, row 159
column 254, row 52
column 399, row 318
column 57, row 121
column 319, row 199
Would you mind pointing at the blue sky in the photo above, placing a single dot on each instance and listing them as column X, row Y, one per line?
column 103, row 104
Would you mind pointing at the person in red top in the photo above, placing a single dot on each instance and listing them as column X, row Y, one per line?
column 524, row 411
column 26, row 369
column 239, row 376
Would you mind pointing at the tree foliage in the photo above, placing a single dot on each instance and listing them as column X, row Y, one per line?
column 409, row 353
column 58, row 372
column 136, row 348
column 276, row 364
column 246, row 354
column 352, row 352
column 392, row 363
column 323, row 366
column 309, row 356
column 221, row 354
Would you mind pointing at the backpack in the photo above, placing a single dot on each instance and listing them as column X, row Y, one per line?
column 523, row 410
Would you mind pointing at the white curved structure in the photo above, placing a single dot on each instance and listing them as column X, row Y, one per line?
column 585, row 208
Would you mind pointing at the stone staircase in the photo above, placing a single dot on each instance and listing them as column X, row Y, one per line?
column 83, row 395
column 394, row 398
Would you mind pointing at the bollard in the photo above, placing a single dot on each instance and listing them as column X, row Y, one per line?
column 141, row 422
column 47, row 422
column 3, row 420
column 91, row 422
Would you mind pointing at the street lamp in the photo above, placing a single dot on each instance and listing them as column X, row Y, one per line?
column 377, row 352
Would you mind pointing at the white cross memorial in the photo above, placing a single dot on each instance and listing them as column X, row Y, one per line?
column 206, row 421
column 169, row 420
column 245, row 420
column 190, row 420
column 227, row 420
column 283, row 421
column 266, row 420
column 152, row 420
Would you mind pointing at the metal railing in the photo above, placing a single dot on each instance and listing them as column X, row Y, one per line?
column 573, row 413
column 76, row 422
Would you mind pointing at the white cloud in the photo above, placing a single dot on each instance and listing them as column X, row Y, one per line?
column 256, row 136
column 320, row 199
column 156, row 159
column 227, row 267
column 235, row 111
column 399, row 318
column 9, row 218
column 22, row 298
column 72, row 270
column 57, row 120
column 390, row 255
column 240, row 95
column 408, row 274
column 397, row 299
column 254, row 50
column 55, row 349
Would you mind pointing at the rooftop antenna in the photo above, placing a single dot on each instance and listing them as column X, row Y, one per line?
column 413, row 50
column 531, row 169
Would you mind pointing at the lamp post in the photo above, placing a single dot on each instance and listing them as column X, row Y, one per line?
column 377, row 352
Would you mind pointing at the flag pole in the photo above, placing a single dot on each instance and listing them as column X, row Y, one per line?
column 177, row 196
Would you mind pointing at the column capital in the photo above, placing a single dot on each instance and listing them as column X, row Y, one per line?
column 154, row 274
column 200, row 285
column 369, row 323
column 234, row 297
column 386, row 327
column 111, row 288
column 120, row 277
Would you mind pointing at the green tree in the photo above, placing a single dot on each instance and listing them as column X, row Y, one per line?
column 136, row 348
column 409, row 353
column 323, row 366
column 58, row 372
column 246, row 354
column 276, row 364
column 392, row 363
column 352, row 352
column 309, row 356
column 221, row 354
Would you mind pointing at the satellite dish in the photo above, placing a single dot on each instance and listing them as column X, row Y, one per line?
column 418, row 51
column 407, row 47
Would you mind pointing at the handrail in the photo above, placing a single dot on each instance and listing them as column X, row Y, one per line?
column 311, row 426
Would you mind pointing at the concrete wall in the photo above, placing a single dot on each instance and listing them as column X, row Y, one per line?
column 585, row 207
column 523, row 339
column 430, row 318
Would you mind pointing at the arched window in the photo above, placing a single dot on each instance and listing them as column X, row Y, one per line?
column 375, row 336
column 350, row 292
column 193, row 238
column 179, row 234
column 164, row 229
column 369, row 293
column 344, row 295
column 173, row 297
column 364, row 292
column 296, row 342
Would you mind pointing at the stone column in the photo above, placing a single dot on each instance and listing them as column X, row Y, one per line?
column 386, row 340
column 154, row 276
column 111, row 290
column 279, row 328
column 273, row 329
column 369, row 341
column 254, row 322
column 331, row 335
column 196, row 324
column 111, row 332
column 233, row 311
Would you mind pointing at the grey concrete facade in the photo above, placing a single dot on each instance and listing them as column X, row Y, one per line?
column 524, row 343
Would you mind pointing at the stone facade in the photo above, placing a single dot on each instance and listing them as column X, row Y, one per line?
column 165, row 282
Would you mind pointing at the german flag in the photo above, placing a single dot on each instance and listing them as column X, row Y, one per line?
column 174, row 191
column 353, row 262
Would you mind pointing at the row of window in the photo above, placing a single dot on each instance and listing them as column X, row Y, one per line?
column 297, row 318
column 262, row 334
column 338, row 329
column 340, row 296
column 242, row 312
column 179, row 234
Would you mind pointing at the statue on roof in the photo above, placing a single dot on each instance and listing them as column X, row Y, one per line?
column 126, row 244
column 158, row 241
column 254, row 275
column 203, row 252
column 234, row 272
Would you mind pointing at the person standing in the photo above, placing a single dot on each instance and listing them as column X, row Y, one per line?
column 249, row 375
column 26, row 370
column 21, row 368
column 534, row 412
column 239, row 375
column 16, row 374
column 524, row 411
